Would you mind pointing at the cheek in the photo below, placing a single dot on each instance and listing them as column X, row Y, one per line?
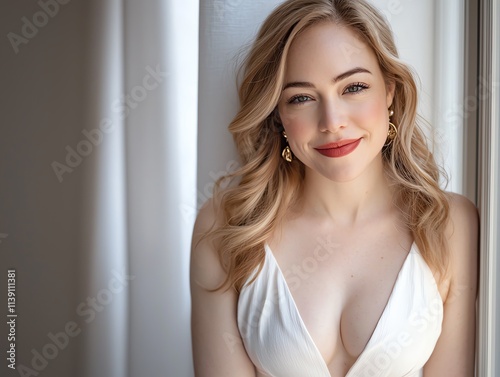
column 373, row 112
column 374, row 118
column 297, row 126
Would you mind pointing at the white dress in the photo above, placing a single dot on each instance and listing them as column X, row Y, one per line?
column 279, row 344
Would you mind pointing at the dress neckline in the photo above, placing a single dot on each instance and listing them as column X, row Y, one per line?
column 269, row 255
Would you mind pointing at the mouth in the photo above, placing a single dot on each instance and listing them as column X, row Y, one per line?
column 339, row 149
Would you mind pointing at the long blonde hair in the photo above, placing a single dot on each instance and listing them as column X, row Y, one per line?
column 267, row 185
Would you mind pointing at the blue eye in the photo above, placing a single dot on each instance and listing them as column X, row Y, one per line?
column 298, row 99
column 356, row 88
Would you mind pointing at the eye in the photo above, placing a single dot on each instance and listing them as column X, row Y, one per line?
column 356, row 88
column 299, row 99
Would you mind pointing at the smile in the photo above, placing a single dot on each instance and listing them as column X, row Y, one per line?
column 339, row 149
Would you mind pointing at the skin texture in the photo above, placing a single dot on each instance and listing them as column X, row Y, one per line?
column 346, row 203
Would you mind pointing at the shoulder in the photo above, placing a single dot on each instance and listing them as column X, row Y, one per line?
column 206, row 269
column 462, row 236
column 462, row 227
column 463, row 215
column 206, row 219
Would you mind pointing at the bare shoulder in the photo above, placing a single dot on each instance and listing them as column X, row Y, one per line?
column 205, row 220
column 206, row 270
column 462, row 233
column 463, row 213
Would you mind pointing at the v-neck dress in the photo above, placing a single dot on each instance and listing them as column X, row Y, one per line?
column 279, row 345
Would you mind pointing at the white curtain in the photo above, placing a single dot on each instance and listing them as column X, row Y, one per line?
column 146, row 59
column 161, row 174
column 99, row 154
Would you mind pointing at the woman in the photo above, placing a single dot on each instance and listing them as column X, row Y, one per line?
column 335, row 253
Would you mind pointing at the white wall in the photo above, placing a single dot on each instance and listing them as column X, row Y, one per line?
column 416, row 48
column 226, row 27
column 429, row 36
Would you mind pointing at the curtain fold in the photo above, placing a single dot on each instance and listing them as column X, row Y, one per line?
column 161, row 71
column 105, row 263
column 141, row 110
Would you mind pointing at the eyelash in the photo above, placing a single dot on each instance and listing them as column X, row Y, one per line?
column 363, row 86
column 293, row 100
column 360, row 85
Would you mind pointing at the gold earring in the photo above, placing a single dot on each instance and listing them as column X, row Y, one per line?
column 287, row 152
column 393, row 131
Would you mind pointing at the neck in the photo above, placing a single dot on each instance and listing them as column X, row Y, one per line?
column 349, row 202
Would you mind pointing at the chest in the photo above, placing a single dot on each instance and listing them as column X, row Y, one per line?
column 340, row 287
column 282, row 341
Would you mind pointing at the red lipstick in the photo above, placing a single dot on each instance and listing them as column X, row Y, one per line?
column 339, row 149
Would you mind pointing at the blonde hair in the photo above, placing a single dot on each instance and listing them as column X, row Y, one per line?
column 267, row 185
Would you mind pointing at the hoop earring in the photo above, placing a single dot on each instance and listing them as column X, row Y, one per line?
column 287, row 152
column 393, row 131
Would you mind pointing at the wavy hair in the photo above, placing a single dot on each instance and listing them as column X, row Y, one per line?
column 267, row 186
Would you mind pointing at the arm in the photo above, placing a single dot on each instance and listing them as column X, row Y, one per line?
column 218, row 350
column 454, row 352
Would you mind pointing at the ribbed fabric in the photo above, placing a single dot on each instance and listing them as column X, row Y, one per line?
column 279, row 344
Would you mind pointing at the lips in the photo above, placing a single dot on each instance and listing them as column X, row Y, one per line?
column 339, row 149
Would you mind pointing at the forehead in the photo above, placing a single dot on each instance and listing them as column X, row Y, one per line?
column 328, row 48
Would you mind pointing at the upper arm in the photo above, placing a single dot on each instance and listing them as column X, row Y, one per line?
column 217, row 346
column 455, row 349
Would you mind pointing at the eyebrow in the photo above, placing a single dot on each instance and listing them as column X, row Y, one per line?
column 305, row 84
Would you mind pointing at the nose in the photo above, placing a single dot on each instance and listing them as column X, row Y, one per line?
column 332, row 118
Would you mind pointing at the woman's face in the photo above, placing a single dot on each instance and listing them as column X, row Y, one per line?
column 334, row 106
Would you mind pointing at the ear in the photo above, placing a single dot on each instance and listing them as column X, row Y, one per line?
column 390, row 88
